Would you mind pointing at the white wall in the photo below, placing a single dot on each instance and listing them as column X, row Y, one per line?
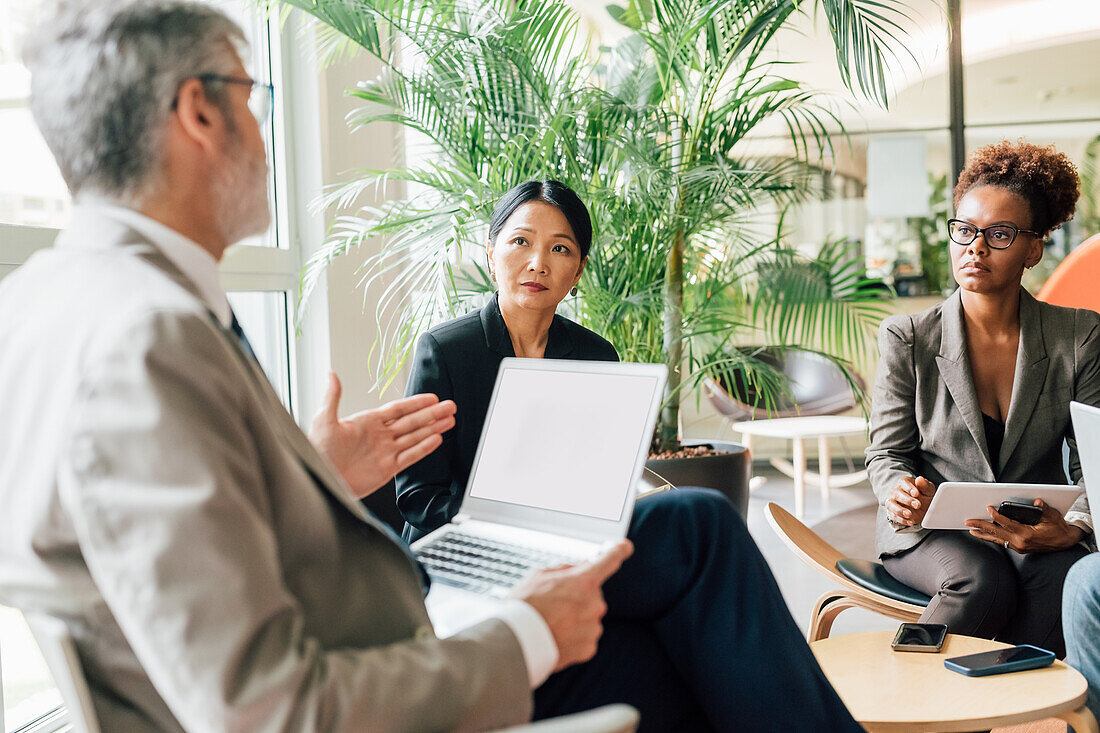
column 353, row 328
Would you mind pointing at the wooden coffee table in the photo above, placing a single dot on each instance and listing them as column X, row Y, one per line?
column 912, row 691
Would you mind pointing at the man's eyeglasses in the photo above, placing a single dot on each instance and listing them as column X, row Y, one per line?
column 998, row 236
column 260, row 100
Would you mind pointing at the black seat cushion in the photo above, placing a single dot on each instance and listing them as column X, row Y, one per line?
column 873, row 577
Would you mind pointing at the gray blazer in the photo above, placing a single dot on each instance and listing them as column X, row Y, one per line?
column 925, row 418
column 214, row 569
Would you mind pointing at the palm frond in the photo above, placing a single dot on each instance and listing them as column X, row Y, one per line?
column 864, row 33
column 649, row 133
column 829, row 300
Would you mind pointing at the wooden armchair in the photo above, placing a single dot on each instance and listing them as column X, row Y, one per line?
column 863, row 583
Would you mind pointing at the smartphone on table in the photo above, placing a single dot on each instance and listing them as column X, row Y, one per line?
column 1021, row 511
column 919, row 638
column 1013, row 659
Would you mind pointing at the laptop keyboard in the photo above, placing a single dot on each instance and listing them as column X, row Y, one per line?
column 483, row 565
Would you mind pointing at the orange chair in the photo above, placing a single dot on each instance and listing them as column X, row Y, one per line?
column 1074, row 281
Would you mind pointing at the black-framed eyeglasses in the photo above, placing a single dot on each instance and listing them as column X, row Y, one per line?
column 998, row 236
column 261, row 99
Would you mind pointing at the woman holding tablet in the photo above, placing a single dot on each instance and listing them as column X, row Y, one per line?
column 695, row 606
column 978, row 389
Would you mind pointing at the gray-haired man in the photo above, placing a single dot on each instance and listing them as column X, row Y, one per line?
column 214, row 566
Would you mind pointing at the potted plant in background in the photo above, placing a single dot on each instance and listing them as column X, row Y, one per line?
column 934, row 244
column 648, row 132
column 1088, row 206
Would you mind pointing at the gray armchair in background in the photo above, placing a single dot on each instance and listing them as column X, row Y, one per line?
column 817, row 387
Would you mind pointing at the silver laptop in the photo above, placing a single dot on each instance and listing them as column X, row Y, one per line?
column 1086, row 430
column 553, row 481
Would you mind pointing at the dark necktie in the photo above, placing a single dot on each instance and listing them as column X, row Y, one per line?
column 235, row 327
column 425, row 581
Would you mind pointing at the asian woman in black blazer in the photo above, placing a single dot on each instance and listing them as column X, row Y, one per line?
column 673, row 607
column 458, row 361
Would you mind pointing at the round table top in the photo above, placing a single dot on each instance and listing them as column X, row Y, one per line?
column 899, row 691
column 803, row 427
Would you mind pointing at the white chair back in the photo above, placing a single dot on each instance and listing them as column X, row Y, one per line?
column 57, row 647
column 2, row 726
column 56, row 644
column 616, row 718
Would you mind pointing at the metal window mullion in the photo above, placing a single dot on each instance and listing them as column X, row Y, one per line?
column 259, row 259
column 259, row 282
column 298, row 100
column 955, row 100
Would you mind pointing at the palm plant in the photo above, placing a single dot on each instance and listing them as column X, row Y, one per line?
column 650, row 133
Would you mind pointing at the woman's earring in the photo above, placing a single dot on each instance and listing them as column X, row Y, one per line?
column 573, row 292
column 493, row 275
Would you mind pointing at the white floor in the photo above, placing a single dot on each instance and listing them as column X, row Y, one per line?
column 802, row 585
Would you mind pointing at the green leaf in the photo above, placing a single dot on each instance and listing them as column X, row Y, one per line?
column 623, row 16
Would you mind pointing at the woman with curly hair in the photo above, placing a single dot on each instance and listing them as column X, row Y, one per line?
column 978, row 389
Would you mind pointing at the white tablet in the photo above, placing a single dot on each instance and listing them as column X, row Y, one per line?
column 956, row 502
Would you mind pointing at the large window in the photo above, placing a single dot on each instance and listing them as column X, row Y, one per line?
column 1027, row 70
column 33, row 204
column 31, row 190
column 261, row 274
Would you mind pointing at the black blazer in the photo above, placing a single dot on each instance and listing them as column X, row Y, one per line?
column 459, row 360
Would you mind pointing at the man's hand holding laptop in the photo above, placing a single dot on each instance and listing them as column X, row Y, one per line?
column 371, row 446
column 570, row 600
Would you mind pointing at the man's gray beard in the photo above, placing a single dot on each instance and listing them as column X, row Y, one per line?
column 240, row 191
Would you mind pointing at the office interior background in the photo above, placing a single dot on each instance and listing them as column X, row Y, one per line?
column 1028, row 69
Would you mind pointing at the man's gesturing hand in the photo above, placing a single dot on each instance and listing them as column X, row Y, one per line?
column 570, row 601
column 369, row 447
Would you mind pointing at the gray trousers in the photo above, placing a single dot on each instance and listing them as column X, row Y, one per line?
column 984, row 590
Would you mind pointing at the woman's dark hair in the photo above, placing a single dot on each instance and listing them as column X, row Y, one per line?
column 1044, row 178
column 555, row 193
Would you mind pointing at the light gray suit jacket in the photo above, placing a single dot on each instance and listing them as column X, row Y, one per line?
column 925, row 418
column 215, row 570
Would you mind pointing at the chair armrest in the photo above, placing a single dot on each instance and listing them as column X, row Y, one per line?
column 606, row 719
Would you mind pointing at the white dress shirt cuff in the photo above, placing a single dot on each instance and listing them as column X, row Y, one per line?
column 1080, row 519
column 540, row 651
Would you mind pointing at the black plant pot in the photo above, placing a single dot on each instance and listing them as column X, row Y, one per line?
column 728, row 471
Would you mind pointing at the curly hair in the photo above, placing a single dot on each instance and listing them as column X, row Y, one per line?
column 1043, row 177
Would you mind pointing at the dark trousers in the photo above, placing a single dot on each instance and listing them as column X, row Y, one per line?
column 982, row 589
column 697, row 636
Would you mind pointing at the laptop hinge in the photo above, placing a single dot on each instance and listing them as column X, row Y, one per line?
column 460, row 518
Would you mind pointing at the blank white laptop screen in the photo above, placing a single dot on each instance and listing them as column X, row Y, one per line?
column 1086, row 429
column 560, row 440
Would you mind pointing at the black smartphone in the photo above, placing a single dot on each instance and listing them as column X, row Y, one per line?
column 1021, row 511
column 919, row 638
column 1013, row 659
